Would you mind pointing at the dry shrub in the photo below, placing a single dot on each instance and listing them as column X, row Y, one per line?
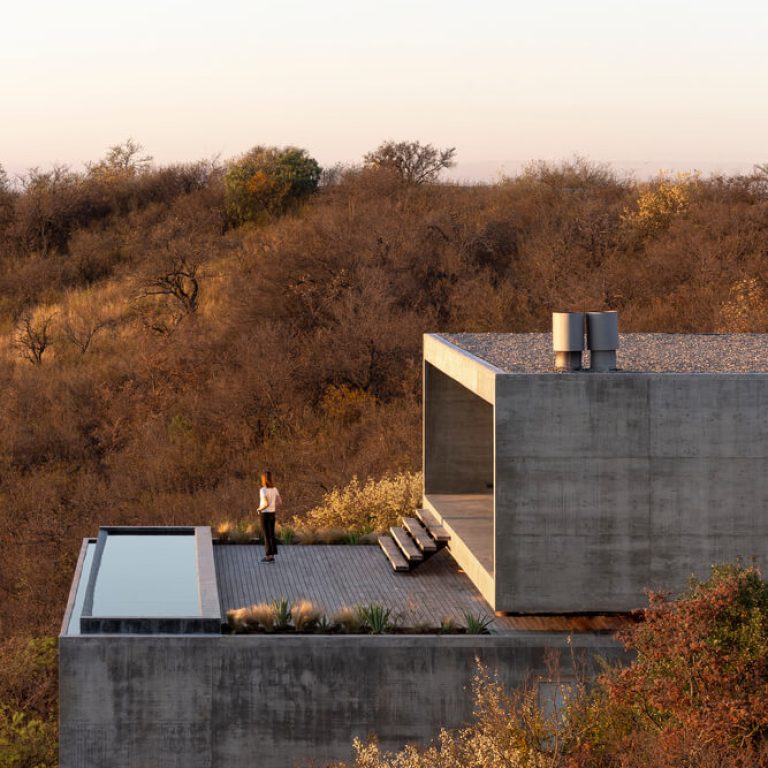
column 305, row 615
column 746, row 308
column 331, row 535
column 695, row 695
column 236, row 618
column 348, row 620
column 242, row 533
column 375, row 505
column 224, row 530
column 261, row 616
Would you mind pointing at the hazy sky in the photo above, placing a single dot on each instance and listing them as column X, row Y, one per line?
column 648, row 83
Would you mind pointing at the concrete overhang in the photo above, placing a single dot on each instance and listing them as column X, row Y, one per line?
column 477, row 375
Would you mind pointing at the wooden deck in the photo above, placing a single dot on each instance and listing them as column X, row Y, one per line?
column 336, row 576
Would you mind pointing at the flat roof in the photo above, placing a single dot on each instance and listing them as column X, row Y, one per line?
column 638, row 352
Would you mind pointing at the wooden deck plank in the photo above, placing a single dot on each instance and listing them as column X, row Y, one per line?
column 393, row 554
column 432, row 524
column 332, row 576
column 423, row 540
column 407, row 546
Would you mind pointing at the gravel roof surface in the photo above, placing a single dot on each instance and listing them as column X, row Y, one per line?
column 651, row 352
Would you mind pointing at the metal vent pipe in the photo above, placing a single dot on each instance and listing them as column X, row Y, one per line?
column 568, row 340
column 602, row 340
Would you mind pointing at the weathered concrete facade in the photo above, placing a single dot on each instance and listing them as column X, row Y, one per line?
column 276, row 701
column 607, row 484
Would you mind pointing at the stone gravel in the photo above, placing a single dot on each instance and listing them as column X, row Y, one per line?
column 640, row 352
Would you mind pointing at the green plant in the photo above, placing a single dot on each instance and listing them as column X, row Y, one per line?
column 242, row 533
column 26, row 741
column 281, row 608
column 477, row 624
column 268, row 181
column 285, row 534
column 374, row 618
column 324, row 625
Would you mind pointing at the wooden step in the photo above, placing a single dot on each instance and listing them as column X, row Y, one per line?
column 431, row 523
column 423, row 540
column 393, row 553
column 405, row 542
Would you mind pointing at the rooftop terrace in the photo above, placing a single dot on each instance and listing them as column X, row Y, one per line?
column 333, row 577
column 641, row 352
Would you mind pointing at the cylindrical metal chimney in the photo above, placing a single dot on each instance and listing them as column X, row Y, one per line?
column 568, row 340
column 602, row 340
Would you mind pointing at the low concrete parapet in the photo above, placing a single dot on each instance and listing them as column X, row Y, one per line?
column 283, row 700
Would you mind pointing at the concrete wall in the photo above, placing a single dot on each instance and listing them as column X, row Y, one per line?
column 277, row 701
column 458, row 437
column 607, row 484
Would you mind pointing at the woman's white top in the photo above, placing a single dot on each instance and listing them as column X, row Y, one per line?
column 269, row 499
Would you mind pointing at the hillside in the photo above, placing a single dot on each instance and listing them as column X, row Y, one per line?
column 156, row 356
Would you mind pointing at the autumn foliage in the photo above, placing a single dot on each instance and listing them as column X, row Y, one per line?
column 168, row 331
column 698, row 690
column 695, row 695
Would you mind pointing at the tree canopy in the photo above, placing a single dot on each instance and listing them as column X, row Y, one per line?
column 416, row 163
column 268, row 181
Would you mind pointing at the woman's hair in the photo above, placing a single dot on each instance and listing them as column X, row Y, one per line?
column 266, row 479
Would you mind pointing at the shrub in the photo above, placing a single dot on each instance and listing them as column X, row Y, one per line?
column 224, row 530
column 27, row 741
column 660, row 202
column 695, row 695
column 261, row 616
column 375, row 505
column 305, row 616
column 348, row 620
column 243, row 533
column 699, row 685
column 477, row 624
column 374, row 618
column 267, row 181
column 281, row 608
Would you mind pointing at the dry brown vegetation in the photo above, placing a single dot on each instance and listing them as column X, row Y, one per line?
column 155, row 357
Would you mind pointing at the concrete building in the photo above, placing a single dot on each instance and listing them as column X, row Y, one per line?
column 148, row 679
column 575, row 492
column 559, row 496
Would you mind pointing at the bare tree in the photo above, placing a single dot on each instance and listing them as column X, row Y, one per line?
column 122, row 159
column 417, row 163
column 81, row 326
column 174, row 283
column 33, row 336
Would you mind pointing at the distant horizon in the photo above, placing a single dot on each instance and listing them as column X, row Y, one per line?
column 652, row 85
column 469, row 172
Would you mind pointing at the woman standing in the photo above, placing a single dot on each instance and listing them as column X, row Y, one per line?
column 269, row 501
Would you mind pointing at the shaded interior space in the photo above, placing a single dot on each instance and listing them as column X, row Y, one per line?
column 459, row 472
column 469, row 517
column 333, row 577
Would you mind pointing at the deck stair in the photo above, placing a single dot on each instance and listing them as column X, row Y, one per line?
column 419, row 534
column 433, row 526
column 393, row 554
column 416, row 541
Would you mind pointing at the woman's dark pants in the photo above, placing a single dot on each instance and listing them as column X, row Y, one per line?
column 268, row 528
